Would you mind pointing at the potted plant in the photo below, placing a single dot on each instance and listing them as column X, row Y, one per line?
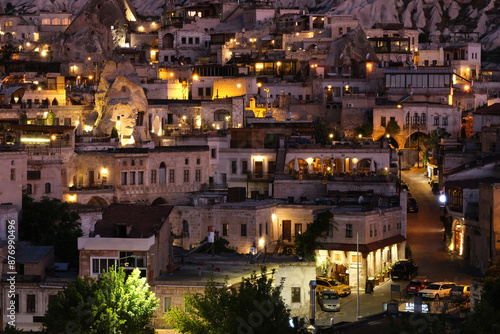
column 380, row 276
column 374, row 280
column 386, row 272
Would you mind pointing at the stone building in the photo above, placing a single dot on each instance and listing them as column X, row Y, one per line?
column 128, row 236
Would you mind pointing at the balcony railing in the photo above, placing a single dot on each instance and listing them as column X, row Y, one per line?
column 213, row 186
column 260, row 176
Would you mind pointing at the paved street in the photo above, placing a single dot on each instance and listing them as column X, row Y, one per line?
column 425, row 237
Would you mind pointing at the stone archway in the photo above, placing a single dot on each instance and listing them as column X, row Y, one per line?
column 168, row 41
column 159, row 201
column 97, row 201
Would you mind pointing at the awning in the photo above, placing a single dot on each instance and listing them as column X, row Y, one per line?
column 364, row 248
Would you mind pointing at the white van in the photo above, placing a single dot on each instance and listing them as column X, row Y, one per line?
column 329, row 300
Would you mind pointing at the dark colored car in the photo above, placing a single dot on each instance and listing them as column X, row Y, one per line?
column 412, row 205
column 404, row 270
column 416, row 285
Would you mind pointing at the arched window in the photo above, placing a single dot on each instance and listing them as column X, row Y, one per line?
column 65, row 21
column 408, row 119
column 11, row 24
column 12, row 163
column 423, row 119
column 56, row 22
column 415, row 119
column 47, row 188
column 29, row 189
column 162, row 177
column 46, row 22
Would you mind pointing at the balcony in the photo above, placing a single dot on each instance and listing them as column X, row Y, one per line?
column 263, row 177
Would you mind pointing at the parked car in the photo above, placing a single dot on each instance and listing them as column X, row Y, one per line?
column 329, row 300
column 460, row 293
column 437, row 290
column 416, row 285
column 323, row 283
column 412, row 205
column 404, row 269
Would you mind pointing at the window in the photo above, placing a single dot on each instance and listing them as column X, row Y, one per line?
column 30, row 304
column 171, row 176
column 198, row 161
column 385, row 228
column 29, row 189
column 266, row 229
column 100, row 265
column 243, row 230
column 382, row 121
column 167, row 303
column 190, row 40
column 56, row 22
column 233, row 167
column 163, row 173
column 186, row 161
column 140, row 177
column 341, row 30
column 208, row 91
column 132, row 178
column 65, row 21
column 200, row 91
column 198, row 175
column 132, row 163
column 34, row 175
column 47, row 188
column 260, row 230
column 186, row 176
column 436, row 120
column 298, row 229
column 16, row 303
column 423, row 119
column 244, row 166
column 371, row 230
column 196, row 40
column 183, row 40
column 153, row 176
column 408, row 119
column 295, row 294
column 213, row 153
column 46, row 22
column 225, row 229
column 444, row 120
column 348, row 231
column 12, row 174
column 124, row 163
column 124, row 179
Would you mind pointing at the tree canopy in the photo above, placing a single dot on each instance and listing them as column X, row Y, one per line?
column 51, row 222
column 306, row 243
column 255, row 306
column 112, row 303
column 322, row 131
column 392, row 128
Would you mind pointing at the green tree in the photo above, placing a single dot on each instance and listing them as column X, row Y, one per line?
column 307, row 242
column 51, row 222
column 112, row 303
column 486, row 315
column 7, row 51
column 322, row 131
column 365, row 129
column 255, row 306
column 392, row 128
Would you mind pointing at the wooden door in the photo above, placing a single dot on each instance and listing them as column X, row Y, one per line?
column 287, row 230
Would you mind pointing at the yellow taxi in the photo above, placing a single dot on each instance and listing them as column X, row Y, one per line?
column 323, row 283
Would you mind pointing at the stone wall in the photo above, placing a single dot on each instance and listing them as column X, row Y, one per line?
column 297, row 275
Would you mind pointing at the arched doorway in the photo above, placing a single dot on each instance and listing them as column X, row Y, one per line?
column 97, row 201
column 168, row 41
column 159, row 201
column 363, row 166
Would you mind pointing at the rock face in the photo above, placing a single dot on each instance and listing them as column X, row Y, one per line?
column 434, row 17
column 119, row 100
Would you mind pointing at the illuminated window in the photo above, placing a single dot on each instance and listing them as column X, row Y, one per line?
column 65, row 21
column 11, row 24
column 225, row 229
column 56, row 22
column 46, row 22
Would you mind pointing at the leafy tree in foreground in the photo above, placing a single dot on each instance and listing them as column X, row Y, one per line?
column 112, row 303
column 51, row 222
column 486, row 315
column 255, row 306
column 306, row 243
column 392, row 128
